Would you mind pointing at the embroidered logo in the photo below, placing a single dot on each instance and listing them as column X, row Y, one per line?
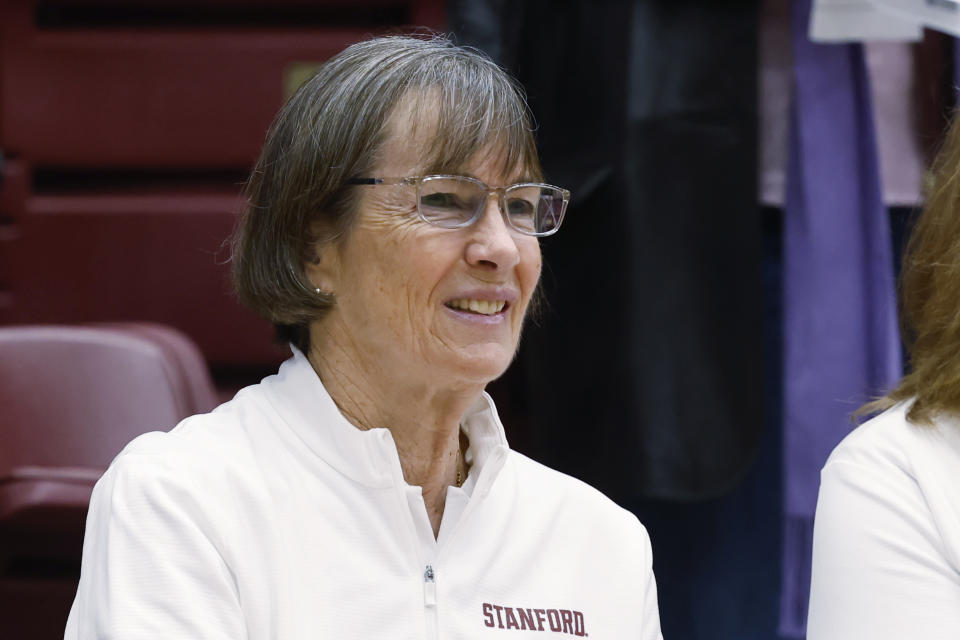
column 556, row 620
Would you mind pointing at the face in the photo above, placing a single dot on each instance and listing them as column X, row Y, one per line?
column 422, row 303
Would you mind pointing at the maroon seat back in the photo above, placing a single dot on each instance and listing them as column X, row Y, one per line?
column 74, row 396
column 193, row 375
column 70, row 399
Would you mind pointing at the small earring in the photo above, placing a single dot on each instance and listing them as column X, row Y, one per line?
column 318, row 289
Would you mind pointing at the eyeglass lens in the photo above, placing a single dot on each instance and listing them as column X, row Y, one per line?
column 453, row 202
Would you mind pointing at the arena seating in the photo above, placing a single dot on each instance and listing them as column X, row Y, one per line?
column 72, row 397
column 127, row 128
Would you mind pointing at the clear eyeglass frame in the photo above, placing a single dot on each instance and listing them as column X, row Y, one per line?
column 501, row 193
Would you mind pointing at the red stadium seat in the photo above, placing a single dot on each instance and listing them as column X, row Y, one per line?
column 126, row 130
column 194, row 376
column 72, row 397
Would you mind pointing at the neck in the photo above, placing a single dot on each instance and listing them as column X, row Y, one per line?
column 423, row 418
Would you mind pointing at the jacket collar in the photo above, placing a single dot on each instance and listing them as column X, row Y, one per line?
column 370, row 457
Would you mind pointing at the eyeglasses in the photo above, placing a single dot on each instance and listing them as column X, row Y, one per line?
column 453, row 202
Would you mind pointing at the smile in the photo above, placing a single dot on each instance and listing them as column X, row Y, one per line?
column 483, row 307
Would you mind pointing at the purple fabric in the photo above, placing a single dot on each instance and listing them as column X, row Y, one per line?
column 841, row 345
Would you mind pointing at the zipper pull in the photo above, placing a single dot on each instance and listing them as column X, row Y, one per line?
column 429, row 587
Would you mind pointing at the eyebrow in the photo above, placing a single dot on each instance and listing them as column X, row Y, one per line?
column 522, row 179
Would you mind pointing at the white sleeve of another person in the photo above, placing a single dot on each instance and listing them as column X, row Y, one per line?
column 880, row 568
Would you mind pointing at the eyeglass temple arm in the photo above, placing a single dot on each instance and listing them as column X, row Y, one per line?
column 378, row 181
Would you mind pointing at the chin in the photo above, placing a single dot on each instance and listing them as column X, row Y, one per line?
column 485, row 366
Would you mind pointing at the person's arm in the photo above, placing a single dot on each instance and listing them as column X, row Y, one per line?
column 879, row 568
column 151, row 568
column 650, row 609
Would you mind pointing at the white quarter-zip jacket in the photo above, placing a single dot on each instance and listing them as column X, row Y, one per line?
column 274, row 518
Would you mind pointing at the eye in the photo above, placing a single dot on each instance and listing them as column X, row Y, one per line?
column 520, row 207
column 442, row 200
column 447, row 208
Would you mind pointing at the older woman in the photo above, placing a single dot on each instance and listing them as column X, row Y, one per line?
column 367, row 490
column 886, row 544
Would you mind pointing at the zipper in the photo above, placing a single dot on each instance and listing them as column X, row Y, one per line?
column 490, row 470
column 430, row 600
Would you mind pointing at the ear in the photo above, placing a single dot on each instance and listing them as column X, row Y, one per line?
column 322, row 270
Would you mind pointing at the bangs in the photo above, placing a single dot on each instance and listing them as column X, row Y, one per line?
column 334, row 128
column 478, row 110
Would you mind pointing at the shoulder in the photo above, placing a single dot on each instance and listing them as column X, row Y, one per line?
column 892, row 446
column 880, row 443
column 889, row 506
column 211, row 450
column 874, row 471
column 893, row 479
column 569, row 498
column 195, row 486
column 567, row 518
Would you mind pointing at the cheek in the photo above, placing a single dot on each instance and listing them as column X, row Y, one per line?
column 412, row 271
column 530, row 263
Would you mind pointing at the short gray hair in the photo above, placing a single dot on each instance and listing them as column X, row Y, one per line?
column 331, row 130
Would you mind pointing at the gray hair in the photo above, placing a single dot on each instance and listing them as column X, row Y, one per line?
column 332, row 128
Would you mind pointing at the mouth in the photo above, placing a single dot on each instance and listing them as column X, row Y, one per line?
column 480, row 307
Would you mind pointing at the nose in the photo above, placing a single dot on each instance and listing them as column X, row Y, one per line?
column 492, row 244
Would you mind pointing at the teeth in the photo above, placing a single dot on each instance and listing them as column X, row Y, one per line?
column 485, row 307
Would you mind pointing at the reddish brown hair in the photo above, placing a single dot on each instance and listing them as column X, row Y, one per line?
column 930, row 296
